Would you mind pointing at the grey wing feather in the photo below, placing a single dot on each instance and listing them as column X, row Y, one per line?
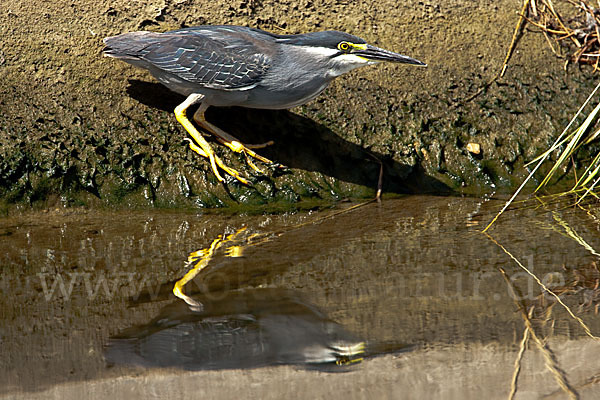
column 213, row 59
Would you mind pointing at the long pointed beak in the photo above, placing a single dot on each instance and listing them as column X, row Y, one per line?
column 376, row 54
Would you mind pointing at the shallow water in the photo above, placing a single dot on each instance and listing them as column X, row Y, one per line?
column 406, row 296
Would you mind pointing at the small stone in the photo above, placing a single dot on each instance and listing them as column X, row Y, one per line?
column 474, row 148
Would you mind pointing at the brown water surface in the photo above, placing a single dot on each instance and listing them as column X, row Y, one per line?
column 283, row 296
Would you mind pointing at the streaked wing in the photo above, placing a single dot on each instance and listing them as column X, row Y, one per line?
column 213, row 58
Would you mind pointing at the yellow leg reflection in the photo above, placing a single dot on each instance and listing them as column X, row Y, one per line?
column 200, row 259
column 344, row 353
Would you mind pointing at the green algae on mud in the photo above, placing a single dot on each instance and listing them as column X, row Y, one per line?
column 96, row 132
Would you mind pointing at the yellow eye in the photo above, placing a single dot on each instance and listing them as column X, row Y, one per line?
column 344, row 46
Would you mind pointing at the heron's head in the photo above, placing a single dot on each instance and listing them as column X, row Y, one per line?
column 343, row 52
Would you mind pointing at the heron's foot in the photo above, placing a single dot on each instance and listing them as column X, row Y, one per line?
column 232, row 142
column 239, row 147
column 200, row 145
column 218, row 162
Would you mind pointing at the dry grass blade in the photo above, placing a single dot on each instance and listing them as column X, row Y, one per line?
column 590, row 190
column 560, row 22
column 568, row 138
column 575, row 28
column 592, row 137
column 570, row 232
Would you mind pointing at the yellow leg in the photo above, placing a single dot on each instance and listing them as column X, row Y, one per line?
column 196, row 149
column 230, row 141
column 201, row 146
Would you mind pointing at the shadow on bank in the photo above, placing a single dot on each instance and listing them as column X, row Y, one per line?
column 301, row 143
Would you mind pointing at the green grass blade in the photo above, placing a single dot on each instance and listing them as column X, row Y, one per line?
column 533, row 171
column 587, row 176
column 572, row 145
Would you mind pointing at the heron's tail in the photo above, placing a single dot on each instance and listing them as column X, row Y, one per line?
column 129, row 46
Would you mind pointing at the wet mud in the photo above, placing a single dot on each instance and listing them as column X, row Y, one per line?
column 80, row 129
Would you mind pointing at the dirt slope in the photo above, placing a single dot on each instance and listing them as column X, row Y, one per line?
column 78, row 128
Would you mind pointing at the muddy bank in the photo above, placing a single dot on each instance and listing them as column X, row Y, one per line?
column 80, row 129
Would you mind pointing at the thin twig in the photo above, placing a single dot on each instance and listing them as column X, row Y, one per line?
column 509, row 53
column 559, row 20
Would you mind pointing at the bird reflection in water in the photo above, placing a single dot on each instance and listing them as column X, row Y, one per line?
column 245, row 328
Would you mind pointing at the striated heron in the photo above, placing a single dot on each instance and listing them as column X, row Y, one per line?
column 239, row 66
